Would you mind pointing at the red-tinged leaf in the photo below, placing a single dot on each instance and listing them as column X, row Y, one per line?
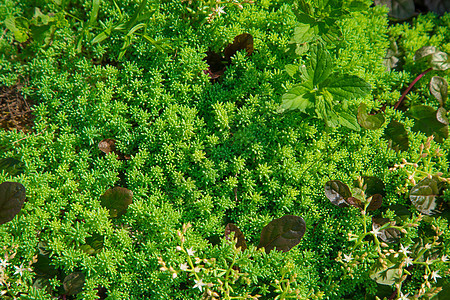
column 441, row 115
column 389, row 235
column 398, row 9
column 373, row 186
column 12, row 197
column 282, row 234
column 353, row 201
column 439, row 89
column 117, row 200
column 240, row 42
column 425, row 195
column 337, row 192
column 237, row 235
column 375, row 202
column 107, row 146
column 217, row 65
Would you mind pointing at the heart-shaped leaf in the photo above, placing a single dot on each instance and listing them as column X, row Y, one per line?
column 73, row 283
column 337, row 192
column 367, row 121
column 12, row 166
column 282, row 234
column 240, row 42
column 439, row 89
column 398, row 9
column 425, row 195
column 425, row 120
column 397, row 136
column 117, row 200
column 237, row 235
column 389, row 235
column 12, row 197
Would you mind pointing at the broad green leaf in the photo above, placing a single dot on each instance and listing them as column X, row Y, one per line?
column 397, row 136
column 19, row 27
column 357, row 6
column 348, row 120
column 117, row 200
column 389, row 235
column 12, row 166
column 94, row 12
column 282, row 234
column 291, row 69
column 398, row 9
column 367, row 121
column 439, row 61
column 337, row 192
column 425, row 195
column 347, row 87
column 439, row 89
column 12, row 197
column 237, row 235
column 100, row 37
column 424, row 52
column 319, row 66
column 298, row 97
column 425, row 120
column 303, row 33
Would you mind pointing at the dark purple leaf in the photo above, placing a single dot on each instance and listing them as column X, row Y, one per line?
column 398, row 9
column 337, row 192
column 439, row 7
column 12, row 197
column 217, row 64
column 375, row 202
column 390, row 235
column 373, row 185
column 425, row 195
column 397, row 136
column 282, row 234
column 353, row 201
column 369, row 121
column 117, row 200
column 237, row 235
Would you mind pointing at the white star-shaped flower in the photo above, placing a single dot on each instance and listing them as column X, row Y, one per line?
column 190, row 252
column 444, row 258
column 435, row 275
column 408, row 261
column 376, row 232
column 199, row 284
column 219, row 10
column 404, row 250
column 183, row 267
column 19, row 270
column 348, row 258
column 4, row 263
column 403, row 297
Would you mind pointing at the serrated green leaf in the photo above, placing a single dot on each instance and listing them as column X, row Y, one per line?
column 303, row 33
column 319, row 67
column 298, row 97
column 347, row 87
column 348, row 120
column 291, row 69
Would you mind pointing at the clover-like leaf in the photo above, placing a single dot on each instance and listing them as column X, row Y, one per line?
column 425, row 196
column 425, row 120
column 73, row 283
column 397, row 136
column 398, row 9
column 12, row 197
column 439, row 89
column 240, row 42
column 237, row 235
column 369, row 121
column 424, row 52
column 12, row 166
column 116, row 200
column 389, row 235
column 337, row 192
column 282, row 234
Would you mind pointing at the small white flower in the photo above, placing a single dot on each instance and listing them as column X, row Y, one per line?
column 444, row 258
column 403, row 297
column 179, row 248
column 404, row 250
column 199, row 284
column 435, row 275
column 190, row 252
column 376, row 232
column 174, row 275
column 4, row 263
column 219, row 10
column 19, row 270
column 348, row 258
column 408, row 261
column 183, row 267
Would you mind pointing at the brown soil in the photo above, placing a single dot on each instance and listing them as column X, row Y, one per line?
column 15, row 111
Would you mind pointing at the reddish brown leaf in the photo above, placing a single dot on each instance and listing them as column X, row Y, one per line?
column 240, row 42
column 237, row 235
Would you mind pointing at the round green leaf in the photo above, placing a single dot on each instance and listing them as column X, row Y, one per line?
column 117, row 200
column 12, row 197
column 367, row 121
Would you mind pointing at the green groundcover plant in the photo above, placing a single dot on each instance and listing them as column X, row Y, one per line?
column 223, row 150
